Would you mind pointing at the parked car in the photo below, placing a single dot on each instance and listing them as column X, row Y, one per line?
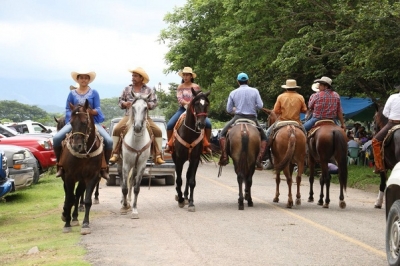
column 6, row 184
column 40, row 146
column 165, row 171
column 29, row 126
column 392, row 202
column 22, row 164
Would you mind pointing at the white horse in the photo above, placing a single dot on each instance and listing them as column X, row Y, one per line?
column 135, row 152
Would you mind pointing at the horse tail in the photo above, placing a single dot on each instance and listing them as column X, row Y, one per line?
column 290, row 150
column 340, row 144
column 243, row 166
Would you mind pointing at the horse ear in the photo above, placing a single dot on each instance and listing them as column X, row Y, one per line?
column 87, row 104
column 55, row 118
column 148, row 97
column 207, row 93
column 71, row 107
column 194, row 92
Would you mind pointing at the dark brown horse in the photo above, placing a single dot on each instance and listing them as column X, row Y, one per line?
column 288, row 149
column 82, row 162
column 391, row 151
column 327, row 141
column 243, row 145
column 60, row 124
column 188, row 146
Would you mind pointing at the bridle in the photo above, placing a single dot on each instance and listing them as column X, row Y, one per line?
column 196, row 115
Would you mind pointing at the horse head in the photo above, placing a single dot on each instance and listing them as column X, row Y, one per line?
column 82, row 124
column 139, row 109
column 379, row 120
column 199, row 108
column 272, row 117
column 60, row 122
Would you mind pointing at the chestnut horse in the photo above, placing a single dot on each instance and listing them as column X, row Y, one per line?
column 82, row 162
column 188, row 146
column 326, row 140
column 243, row 145
column 288, row 149
column 390, row 150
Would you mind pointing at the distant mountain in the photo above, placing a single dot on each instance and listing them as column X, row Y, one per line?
column 52, row 108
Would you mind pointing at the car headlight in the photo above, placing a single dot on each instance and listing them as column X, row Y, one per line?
column 18, row 156
column 45, row 144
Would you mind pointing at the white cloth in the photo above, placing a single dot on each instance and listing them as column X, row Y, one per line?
column 392, row 107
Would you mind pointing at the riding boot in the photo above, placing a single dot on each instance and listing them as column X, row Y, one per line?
column 104, row 171
column 260, row 156
column 158, row 145
column 116, row 150
column 223, row 160
column 57, row 151
column 206, row 140
column 169, row 144
column 376, row 148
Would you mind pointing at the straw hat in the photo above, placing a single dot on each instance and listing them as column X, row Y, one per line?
column 325, row 81
column 291, row 84
column 141, row 72
column 91, row 74
column 187, row 70
column 315, row 87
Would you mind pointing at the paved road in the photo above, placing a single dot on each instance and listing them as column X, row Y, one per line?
column 219, row 234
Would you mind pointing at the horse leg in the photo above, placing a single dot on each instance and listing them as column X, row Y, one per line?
column 328, row 185
column 311, row 178
column 79, row 192
column 191, row 179
column 138, row 179
column 124, row 189
column 96, row 194
column 300, row 170
column 179, row 198
column 381, row 193
column 277, row 181
column 81, row 207
column 90, row 186
column 289, row 182
column 247, row 191
column 68, row 203
column 240, row 199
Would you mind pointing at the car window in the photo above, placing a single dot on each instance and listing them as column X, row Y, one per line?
column 8, row 132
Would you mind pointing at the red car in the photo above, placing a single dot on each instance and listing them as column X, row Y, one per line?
column 40, row 145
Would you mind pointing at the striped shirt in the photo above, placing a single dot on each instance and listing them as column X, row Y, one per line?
column 245, row 99
column 392, row 107
column 325, row 104
column 127, row 96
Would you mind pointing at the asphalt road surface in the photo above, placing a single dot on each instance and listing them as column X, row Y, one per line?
column 219, row 234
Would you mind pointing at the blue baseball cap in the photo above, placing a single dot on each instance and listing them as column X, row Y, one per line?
column 242, row 77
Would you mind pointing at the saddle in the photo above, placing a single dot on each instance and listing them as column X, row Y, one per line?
column 317, row 126
column 389, row 135
column 243, row 120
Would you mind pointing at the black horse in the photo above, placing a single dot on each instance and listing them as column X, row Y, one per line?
column 188, row 145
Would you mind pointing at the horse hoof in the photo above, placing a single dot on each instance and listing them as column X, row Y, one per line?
column 191, row 209
column 298, row 201
column 276, row 200
column 342, row 204
column 62, row 218
column 250, row 204
column 377, row 207
column 176, row 198
column 124, row 210
column 181, row 204
column 135, row 216
column 289, row 205
column 310, row 200
column 186, row 202
column 326, row 206
column 96, row 201
column 85, row 231
column 75, row 223
column 67, row 229
column 241, row 207
column 320, row 203
column 81, row 208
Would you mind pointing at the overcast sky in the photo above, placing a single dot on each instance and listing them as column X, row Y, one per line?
column 42, row 41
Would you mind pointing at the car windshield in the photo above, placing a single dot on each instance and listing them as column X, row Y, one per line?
column 7, row 131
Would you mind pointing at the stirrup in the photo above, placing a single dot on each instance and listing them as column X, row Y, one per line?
column 114, row 159
column 159, row 160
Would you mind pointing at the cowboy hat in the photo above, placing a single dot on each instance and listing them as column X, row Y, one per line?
column 315, row 87
column 141, row 72
column 187, row 70
column 91, row 74
column 325, row 81
column 291, row 84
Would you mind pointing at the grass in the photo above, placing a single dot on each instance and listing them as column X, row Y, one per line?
column 31, row 218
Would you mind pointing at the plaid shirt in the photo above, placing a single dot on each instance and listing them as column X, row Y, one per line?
column 325, row 104
column 127, row 96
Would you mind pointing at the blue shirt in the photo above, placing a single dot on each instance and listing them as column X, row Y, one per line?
column 94, row 102
column 245, row 99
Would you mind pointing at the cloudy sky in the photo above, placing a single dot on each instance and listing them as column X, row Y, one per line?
column 41, row 42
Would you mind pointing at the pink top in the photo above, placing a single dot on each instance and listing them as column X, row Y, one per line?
column 185, row 94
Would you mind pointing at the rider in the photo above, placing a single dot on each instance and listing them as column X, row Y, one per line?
column 139, row 81
column 289, row 105
column 78, row 96
column 244, row 102
column 392, row 112
column 325, row 104
column 184, row 95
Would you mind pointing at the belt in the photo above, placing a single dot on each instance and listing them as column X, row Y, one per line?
column 394, row 121
column 247, row 116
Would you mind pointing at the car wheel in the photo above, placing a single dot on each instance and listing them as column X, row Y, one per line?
column 169, row 180
column 393, row 234
column 36, row 174
column 111, row 181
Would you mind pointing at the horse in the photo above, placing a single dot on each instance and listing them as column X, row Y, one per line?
column 188, row 146
column 327, row 141
column 391, row 151
column 60, row 124
column 288, row 148
column 83, row 155
column 135, row 152
column 243, row 145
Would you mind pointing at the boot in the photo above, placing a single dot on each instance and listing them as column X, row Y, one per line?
column 104, row 171
column 169, row 143
column 57, row 151
column 376, row 148
column 158, row 143
column 223, row 160
column 206, row 140
column 260, row 156
column 116, row 150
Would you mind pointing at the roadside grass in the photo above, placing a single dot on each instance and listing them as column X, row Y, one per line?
column 32, row 218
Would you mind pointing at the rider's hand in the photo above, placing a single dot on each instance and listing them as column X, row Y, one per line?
column 128, row 105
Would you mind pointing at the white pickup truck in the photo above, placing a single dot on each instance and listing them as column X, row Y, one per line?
column 29, row 126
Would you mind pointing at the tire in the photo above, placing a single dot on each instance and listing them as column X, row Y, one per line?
column 169, row 180
column 393, row 234
column 36, row 172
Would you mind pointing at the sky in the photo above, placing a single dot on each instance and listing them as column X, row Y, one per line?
column 42, row 42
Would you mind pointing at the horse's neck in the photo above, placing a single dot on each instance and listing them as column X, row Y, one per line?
column 190, row 119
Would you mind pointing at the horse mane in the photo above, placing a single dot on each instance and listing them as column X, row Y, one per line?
column 380, row 120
